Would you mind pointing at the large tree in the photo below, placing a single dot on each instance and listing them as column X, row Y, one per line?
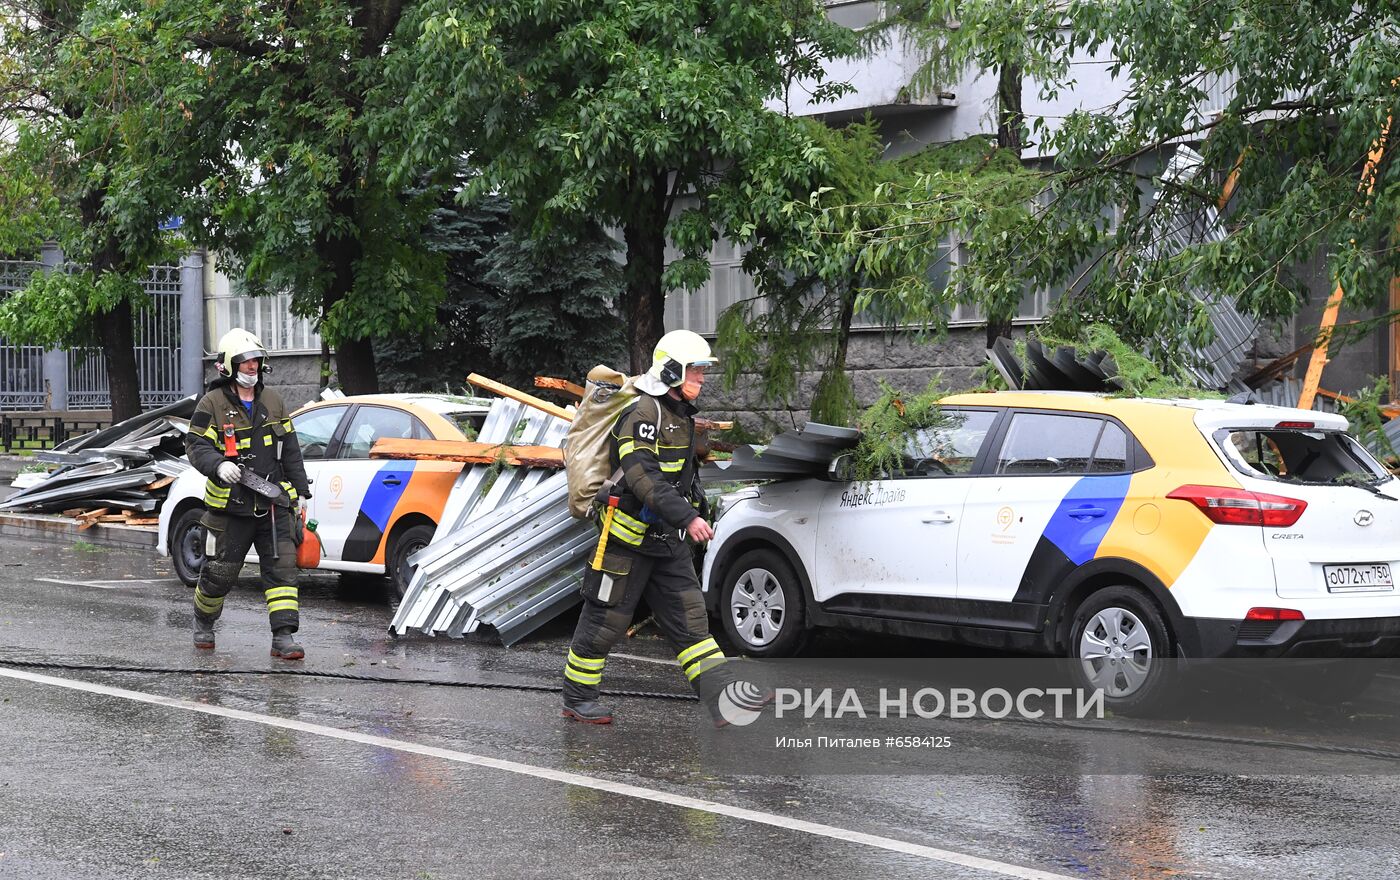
column 651, row 117
column 252, row 122
column 516, row 306
column 1308, row 90
column 307, row 207
column 88, row 99
column 812, row 283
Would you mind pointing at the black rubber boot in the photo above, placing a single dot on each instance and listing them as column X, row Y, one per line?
column 284, row 646
column 589, row 712
column 203, row 634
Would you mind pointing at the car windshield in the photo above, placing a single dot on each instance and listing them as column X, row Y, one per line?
column 1299, row 456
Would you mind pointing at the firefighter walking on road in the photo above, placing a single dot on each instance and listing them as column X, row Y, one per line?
column 241, row 424
column 654, row 505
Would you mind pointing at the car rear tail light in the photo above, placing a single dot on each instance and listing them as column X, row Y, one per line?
column 1240, row 507
column 1274, row 614
column 1297, row 426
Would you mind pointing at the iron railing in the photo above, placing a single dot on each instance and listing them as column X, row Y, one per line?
column 24, row 384
column 21, row 366
column 156, row 332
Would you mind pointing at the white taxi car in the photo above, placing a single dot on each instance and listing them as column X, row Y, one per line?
column 1106, row 529
column 372, row 514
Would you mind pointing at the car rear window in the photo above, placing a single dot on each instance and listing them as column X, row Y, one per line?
column 1297, row 456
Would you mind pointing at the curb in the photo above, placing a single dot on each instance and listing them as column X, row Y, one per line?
column 64, row 530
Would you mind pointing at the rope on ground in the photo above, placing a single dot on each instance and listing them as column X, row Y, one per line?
column 345, row 676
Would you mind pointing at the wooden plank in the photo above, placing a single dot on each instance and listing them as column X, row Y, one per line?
column 1319, row 358
column 1276, row 368
column 468, row 452
column 704, row 426
column 109, row 518
column 73, row 512
column 504, row 390
column 144, row 521
column 563, row 385
column 1389, row 412
column 91, row 514
column 159, row 484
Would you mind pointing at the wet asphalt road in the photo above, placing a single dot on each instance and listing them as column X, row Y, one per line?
column 100, row 785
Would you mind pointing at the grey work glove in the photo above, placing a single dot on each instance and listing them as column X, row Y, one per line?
column 229, row 472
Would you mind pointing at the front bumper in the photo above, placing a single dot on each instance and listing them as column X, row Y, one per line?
column 1346, row 637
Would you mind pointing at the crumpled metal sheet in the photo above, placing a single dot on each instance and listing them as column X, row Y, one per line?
column 506, row 554
column 805, row 452
column 83, row 490
column 182, row 409
column 128, row 455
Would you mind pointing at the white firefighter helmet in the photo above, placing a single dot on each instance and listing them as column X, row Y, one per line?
column 676, row 351
column 237, row 346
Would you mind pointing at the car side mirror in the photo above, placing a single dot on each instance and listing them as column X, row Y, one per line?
column 842, row 468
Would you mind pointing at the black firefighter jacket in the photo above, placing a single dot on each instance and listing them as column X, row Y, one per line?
column 653, row 443
column 260, row 439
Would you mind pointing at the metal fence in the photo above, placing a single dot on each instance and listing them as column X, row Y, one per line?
column 24, row 385
column 156, row 333
column 21, row 366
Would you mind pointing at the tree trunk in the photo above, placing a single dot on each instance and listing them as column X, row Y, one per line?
column 1011, row 122
column 644, row 301
column 354, row 358
column 119, row 355
column 354, row 362
column 843, row 329
column 114, row 327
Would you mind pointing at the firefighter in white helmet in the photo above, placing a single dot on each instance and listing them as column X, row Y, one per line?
column 241, row 424
column 657, row 504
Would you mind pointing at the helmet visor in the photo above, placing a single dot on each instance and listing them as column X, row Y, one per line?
column 247, row 356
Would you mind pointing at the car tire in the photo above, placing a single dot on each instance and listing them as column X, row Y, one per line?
column 1115, row 636
column 407, row 543
column 762, row 607
column 187, row 545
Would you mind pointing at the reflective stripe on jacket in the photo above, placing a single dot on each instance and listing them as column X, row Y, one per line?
column 653, row 443
column 258, row 438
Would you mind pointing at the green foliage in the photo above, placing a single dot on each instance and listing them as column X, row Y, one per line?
column 516, row 307
column 834, row 401
column 1137, row 374
column 887, row 426
column 616, row 112
column 86, row 102
column 1314, row 86
column 1367, row 415
column 841, row 254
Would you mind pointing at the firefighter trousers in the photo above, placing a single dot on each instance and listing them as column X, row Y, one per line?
column 228, row 539
column 672, row 591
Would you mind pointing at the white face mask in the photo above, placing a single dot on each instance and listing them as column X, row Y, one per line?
column 247, row 381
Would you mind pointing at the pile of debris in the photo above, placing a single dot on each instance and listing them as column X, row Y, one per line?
column 116, row 475
column 507, row 553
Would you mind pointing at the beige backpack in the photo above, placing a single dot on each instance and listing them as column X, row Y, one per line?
column 586, row 451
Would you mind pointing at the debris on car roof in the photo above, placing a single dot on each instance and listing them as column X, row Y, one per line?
column 805, row 452
column 117, row 474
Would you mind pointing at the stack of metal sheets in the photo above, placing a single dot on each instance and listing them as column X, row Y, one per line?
column 507, row 553
column 114, row 467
